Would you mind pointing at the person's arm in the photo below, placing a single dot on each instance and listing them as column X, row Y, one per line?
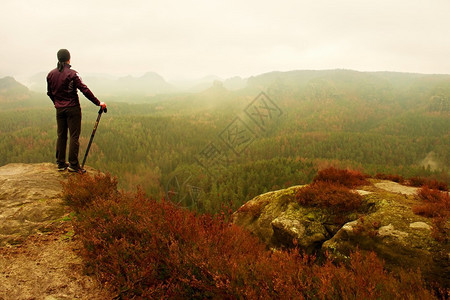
column 49, row 91
column 85, row 90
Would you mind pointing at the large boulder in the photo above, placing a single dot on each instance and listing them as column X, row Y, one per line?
column 385, row 224
column 278, row 220
column 258, row 214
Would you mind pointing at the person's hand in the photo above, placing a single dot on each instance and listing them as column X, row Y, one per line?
column 103, row 105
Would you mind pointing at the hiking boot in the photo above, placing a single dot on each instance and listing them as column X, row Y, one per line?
column 62, row 167
column 77, row 169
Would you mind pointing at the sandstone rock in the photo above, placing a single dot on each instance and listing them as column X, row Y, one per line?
column 395, row 187
column 396, row 235
column 278, row 220
column 390, row 231
column 258, row 214
column 420, row 225
column 387, row 226
column 307, row 234
column 363, row 193
column 30, row 200
column 38, row 257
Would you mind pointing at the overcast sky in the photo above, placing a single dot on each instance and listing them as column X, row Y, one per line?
column 194, row 38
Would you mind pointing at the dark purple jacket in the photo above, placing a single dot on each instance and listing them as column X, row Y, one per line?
column 62, row 88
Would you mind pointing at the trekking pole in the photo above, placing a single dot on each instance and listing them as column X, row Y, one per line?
column 93, row 133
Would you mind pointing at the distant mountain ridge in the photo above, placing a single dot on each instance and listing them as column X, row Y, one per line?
column 315, row 85
column 300, row 78
column 149, row 84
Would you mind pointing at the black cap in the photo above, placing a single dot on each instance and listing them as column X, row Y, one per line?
column 63, row 55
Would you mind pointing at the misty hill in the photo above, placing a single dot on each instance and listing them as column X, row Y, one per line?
column 148, row 84
column 327, row 89
column 196, row 85
column 11, row 89
column 14, row 94
column 361, row 101
column 369, row 86
column 204, row 83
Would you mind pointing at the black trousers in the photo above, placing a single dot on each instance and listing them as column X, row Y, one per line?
column 68, row 119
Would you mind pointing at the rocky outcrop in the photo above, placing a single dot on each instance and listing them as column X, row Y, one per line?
column 258, row 214
column 30, row 200
column 38, row 254
column 278, row 220
column 386, row 224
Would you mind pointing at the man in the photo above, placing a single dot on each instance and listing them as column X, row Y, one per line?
column 62, row 85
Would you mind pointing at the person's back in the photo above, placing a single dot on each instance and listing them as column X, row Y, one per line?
column 62, row 85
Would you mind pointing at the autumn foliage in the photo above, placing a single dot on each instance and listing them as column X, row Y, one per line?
column 330, row 189
column 323, row 194
column 435, row 204
column 348, row 178
column 394, row 178
column 80, row 191
column 142, row 248
column 415, row 181
column 430, row 183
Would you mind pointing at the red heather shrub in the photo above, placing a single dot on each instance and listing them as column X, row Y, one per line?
column 338, row 198
column 439, row 185
column 348, row 178
column 366, row 278
column 395, row 178
column 144, row 249
column 417, row 181
column 81, row 190
column 435, row 204
column 431, row 183
column 440, row 230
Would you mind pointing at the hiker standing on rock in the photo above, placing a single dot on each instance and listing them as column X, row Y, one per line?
column 62, row 85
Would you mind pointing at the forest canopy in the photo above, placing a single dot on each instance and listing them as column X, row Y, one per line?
column 219, row 146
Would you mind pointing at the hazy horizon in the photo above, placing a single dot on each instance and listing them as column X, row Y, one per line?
column 185, row 40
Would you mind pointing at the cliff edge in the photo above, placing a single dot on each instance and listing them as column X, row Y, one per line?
column 38, row 257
